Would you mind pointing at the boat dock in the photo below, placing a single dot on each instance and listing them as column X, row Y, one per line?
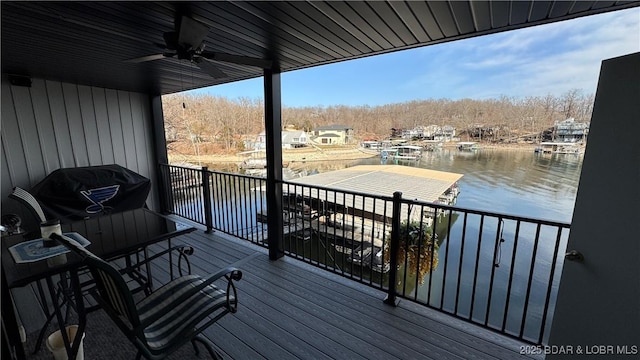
column 414, row 183
column 468, row 146
column 560, row 148
column 331, row 215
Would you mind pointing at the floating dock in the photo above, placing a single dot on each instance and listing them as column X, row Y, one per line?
column 352, row 221
column 378, row 180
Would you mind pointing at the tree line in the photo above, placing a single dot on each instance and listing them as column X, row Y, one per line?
column 212, row 123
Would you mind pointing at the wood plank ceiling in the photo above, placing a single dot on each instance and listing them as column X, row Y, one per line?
column 87, row 42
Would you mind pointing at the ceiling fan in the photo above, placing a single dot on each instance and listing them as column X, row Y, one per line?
column 187, row 43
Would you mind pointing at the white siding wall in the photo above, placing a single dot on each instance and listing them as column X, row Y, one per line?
column 54, row 125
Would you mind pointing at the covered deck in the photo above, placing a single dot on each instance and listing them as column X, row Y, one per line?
column 292, row 310
column 70, row 98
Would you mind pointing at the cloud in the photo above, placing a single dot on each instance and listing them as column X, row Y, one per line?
column 575, row 64
column 546, row 59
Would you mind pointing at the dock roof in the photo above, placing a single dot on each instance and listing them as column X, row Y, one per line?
column 384, row 180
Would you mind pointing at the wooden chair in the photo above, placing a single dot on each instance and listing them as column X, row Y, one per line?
column 171, row 316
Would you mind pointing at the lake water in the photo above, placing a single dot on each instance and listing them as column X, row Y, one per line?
column 514, row 182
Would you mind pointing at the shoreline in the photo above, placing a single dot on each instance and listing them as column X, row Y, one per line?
column 293, row 156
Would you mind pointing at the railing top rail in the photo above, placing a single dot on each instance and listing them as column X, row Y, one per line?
column 215, row 172
column 183, row 167
column 488, row 213
column 406, row 201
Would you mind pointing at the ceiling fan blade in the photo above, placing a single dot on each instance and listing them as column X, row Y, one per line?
column 210, row 68
column 147, row 58
column 237, row 59
column 191, row 32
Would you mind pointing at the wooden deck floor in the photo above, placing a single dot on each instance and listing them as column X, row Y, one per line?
column 292, row 310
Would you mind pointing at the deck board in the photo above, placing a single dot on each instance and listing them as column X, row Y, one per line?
column 289, row 309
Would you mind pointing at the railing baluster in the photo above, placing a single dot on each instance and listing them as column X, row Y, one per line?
column 464, row 233
column 352, row 226
column 422, row 230
column 434, row 235
column 330, row 249
column 250, row 209
column 373, row 241
column 193, row 192
column 235, row 205
column 303, row 200
column 545, row 312
column 513, row 263
column 475, row 272
column 533, row 264
column 197, row 193
column 243, row 209
column 345, row 211
column 187, row 193
column 446, row 260
column 335, row 242
column 287, row 205
column 384, row 239
column 494, row 265
column 319, row 209
column 406, row 251
column 229, row 202
column 362, row 233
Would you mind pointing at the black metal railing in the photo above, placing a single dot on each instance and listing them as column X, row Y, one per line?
column 234, row 202
column 496, row 270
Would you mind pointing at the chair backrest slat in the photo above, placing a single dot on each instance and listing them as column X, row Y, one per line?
column 29, row 201
column 113, row 290
column 113, row 294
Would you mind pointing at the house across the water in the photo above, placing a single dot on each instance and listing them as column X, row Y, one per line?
column 333, row 135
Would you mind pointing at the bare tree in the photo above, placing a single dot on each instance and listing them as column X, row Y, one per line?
column 204, row 121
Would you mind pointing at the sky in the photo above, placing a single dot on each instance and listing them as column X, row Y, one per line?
column 536, row 61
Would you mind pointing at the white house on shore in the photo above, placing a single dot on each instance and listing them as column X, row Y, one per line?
column 290, row 140
column 333, row 135
column 570, row 130
column 431, row 132
column 294, row 139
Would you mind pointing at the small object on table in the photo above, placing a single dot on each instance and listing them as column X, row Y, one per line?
column 34, row 250
column 46, row 229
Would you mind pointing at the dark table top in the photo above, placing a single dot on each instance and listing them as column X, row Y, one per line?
column 110, row 235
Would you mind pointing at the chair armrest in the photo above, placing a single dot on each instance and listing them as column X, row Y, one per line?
column 230, row 273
